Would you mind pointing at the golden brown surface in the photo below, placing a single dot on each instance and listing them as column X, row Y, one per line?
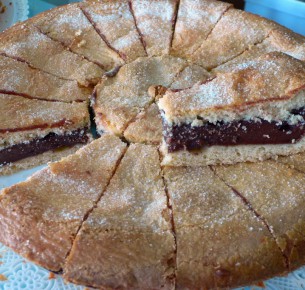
column 115, row 22
column 127, row 241
column 220, row 242
column 40, row 216
column 19, row 78
column 276, row 192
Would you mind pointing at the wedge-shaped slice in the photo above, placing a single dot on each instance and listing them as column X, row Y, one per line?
column 277, row 193
column 31, row 127
column 155, row 21
column 235, row 32
column 127, row 241
column 195, row 20
column 220, row 242
column 27, row 43
column 17, row 77
column 280, row 39
column 254, row 113
column 40, row 217
column 70, row 26
column 115, row 23
column 120, row 99
column 147, row 127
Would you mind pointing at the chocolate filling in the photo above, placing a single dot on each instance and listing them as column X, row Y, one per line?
column 37, row 146
column 186, row 137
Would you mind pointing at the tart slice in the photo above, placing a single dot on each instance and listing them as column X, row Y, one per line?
column 220, row 242
column 253, row 113
column 114, row 21
column 19, row 78
column 155, row 21
column 26, row 43
column 29, row 128
column 40, row 217
column 127, row 241
column 276, row 193
column 195, row 21
column 70, row 26
column 121, row 98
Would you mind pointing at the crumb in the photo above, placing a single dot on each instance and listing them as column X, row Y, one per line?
column 51, row 276
column 2, row 278
column 82, row 43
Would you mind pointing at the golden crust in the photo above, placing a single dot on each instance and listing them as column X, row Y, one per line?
column 276, row 193
column 41, row 215
column 128, row 237
column 24, row 41
column 195, row 20
column 70, row 26
column 235, row 32
column 19, row 78
column 273, row 77
column 220, row 242
column 155, row 21
column 114, row 20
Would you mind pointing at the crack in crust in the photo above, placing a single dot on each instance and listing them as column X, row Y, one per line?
column 256, row 213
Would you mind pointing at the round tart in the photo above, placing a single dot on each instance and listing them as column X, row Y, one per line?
column 114, row 215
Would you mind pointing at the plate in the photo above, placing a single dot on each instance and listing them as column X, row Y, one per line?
column 12, row 11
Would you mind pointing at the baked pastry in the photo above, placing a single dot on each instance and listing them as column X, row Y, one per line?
column 155, row 21
column 221, row 243
column 71, row 26
column 40, row 216
column 250, row 114
column 273, row 190
column 29, row 127
column 127, row 241
column 115, row 22
column 26, row 43
column 119, row 99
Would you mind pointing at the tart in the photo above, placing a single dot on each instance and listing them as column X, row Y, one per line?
column 41, row 215
column 252, row 113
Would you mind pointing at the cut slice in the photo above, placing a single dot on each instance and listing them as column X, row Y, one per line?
column 281, row 39
column 40, row 217
column 235, row 32
column 120, row 99
column 70, row 26
column 115, row 23
column 276, row 193
column 220, row 242
column 155, row 21
column 27, row 43
column 18, row 78
column 31, row 127
column 147, row 127
column 127, row 241
column 254, row 113
column 195, row 20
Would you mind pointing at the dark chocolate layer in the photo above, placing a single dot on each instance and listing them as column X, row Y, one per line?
column 186, row 137
column 37, row 146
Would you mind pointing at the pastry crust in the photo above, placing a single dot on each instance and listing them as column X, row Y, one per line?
column 115, row 22
column 274, row 190
column 17, row 77
column 127, row 241
column 195, row 21
column 120, row 99
column 25, row 42
column 70, row 26
column 40, row 217
column 155, row 21
column 220, row 242
column 235, row 32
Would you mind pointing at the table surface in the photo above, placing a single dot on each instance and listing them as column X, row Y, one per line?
column 21, row 274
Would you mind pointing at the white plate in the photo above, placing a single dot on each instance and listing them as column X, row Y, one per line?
column 16, row 10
